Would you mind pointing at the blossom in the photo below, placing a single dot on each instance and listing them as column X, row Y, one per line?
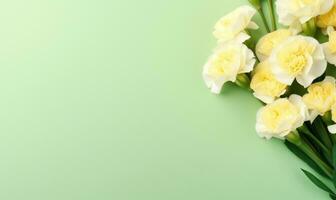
column 228, row 60
column 271, row 40
column 281, row 117
column 330, row 47
column 233, row 25
column 264, row 84
column 321, row 97
column 300, row 11
column 300, row 58
column 328, row 19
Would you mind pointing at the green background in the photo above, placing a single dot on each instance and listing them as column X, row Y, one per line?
column 104, row 99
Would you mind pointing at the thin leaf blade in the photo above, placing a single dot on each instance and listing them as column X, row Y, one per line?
column 332, row 196
column 296, row 151
column 334, row 164
column 317, row 182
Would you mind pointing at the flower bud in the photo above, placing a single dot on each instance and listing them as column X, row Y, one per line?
column 243, row 81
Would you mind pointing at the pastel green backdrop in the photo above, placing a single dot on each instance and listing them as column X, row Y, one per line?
column 104, row 99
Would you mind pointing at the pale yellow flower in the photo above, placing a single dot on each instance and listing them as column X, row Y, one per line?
column 228, row 60
column 271, row 40
column 328, row 19
column 330, row 47
column 264, row 84
column 281, row 117
column 298, row 57
column 300, row 11
column 233, row 25
column 321, row 97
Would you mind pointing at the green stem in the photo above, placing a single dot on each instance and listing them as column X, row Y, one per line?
column 328, row 121
column 243, row 81
column 263, row 17
column 250, row 43
column 322, row 131
column 333, row 138
column 309, row 28
column 305, row 148
column 295, row 139
column 271, row 8
column 303, row 129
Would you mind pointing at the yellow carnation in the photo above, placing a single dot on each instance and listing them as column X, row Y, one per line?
column 298, row 57
column 281, row 117
column 321, row 97
column 301, row 11
column 228, row 60
column 268, row 42
column 233, row 25
column 264, row 84
column 330, row 47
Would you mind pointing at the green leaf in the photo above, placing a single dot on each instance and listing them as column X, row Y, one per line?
column 334, row 164
column 317, row 182
column 296, row 151
column 334, row 155
column 324, row 153
column 332, row 196
column 322, row 131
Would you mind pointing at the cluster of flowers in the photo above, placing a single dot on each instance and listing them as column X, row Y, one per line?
column 286, row 69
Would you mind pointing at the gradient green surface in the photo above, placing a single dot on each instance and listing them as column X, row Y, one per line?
column 104, row 99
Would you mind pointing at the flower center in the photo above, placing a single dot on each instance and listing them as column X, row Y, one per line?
column 321, row 96
column 294, row 58
column 265, row 83
column 223, row 64
column 276, row 115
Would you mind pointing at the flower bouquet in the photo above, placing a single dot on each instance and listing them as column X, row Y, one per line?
column 290, row 70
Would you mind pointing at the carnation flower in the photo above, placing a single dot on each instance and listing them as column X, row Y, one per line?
column 300, row 11
column 271, row 40
column 281, row 117
column 229, row 60
column 264, row 84
column 300, row 58
column 233, row 25
column 284, row 57
column 321, row 97
column 330, row 47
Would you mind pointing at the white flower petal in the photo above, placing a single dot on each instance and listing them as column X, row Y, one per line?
column 231, row 25
column 330, row 57
column 326, row 6
column 332, row 129
column 305, row 80
column 297, row 101
column 252, row 25
column 312, row 116
column 318, row 68
column 263, row 98
column 293, row 11
column 242, row 37
column 228, row 60
column 281, row 117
